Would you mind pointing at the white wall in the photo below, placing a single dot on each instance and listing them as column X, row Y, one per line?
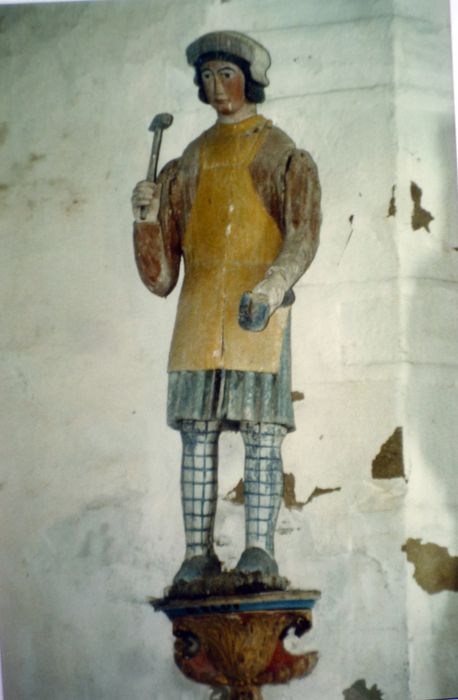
column 91, row 521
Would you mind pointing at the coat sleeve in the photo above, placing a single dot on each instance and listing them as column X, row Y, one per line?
column 300, row 197
column 157, row 245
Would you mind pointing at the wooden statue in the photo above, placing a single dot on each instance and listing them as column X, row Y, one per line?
column 241, row 206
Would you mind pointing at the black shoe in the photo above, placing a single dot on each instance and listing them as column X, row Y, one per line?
column 198, row 567
column 255, row 559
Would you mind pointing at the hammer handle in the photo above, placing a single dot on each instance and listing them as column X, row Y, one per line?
column 151, row 175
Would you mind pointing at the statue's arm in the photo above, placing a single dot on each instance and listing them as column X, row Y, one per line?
column 301, row 213
column 157, row 239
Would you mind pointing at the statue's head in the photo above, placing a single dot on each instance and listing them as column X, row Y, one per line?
column 236, row 58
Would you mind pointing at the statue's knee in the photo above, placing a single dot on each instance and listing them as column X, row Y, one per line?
column 262, row 433
column 199, row 431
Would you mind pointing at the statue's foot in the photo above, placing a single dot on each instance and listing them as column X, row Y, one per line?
column 200, row 566
column 255, row 559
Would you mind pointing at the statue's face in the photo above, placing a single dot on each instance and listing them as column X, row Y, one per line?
column 224, row 85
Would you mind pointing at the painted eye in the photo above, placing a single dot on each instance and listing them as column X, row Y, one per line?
column 206, row 75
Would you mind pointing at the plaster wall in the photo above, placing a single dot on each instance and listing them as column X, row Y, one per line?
column 91, row 520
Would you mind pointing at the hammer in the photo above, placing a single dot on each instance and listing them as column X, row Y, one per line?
column 157, row 126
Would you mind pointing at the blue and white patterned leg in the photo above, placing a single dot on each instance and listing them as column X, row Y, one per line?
column 263, row 482
column 199, row 481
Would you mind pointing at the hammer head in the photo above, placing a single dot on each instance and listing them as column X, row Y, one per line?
column 161, row 121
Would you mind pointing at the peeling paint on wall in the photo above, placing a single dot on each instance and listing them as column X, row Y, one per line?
column 321, row 492
column 360, row 691
column 421, row 218
column 389, row 462
column 289, row 495
column 392, row 205
column 297, row 396
column 435, row 570
column 237, row 494
column 289, row 492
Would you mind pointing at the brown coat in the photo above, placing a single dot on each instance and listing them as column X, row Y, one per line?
column 287, row 181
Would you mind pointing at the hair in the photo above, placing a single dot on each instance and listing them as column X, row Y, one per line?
column 254, row 91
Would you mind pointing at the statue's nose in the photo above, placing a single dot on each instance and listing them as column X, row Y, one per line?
column 219, row 87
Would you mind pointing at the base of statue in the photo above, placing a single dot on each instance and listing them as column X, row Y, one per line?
column 236, row 641
column 228, row 583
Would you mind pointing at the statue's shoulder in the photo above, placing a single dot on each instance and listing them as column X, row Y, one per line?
column 276, row 149
column 284, row 148
column 278, row 139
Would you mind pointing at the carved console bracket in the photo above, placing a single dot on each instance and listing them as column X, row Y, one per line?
column 236, row 642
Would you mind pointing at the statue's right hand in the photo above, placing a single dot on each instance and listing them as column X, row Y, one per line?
column 145, row 201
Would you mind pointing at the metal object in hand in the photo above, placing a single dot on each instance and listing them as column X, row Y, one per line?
column 160, row 122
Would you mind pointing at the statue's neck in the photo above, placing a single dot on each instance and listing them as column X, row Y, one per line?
column 245, row 112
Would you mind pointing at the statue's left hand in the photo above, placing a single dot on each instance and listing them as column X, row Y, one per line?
column 254, row 311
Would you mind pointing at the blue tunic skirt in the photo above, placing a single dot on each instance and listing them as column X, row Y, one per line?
column 231, row 396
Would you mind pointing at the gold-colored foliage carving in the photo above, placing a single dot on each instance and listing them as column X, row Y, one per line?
column 241, row 650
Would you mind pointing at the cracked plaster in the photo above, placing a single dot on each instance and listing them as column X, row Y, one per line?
column 435, row 570
column 360, row 691
column 389, row 462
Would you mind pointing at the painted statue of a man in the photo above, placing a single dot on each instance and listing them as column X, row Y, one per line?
column 242, row 208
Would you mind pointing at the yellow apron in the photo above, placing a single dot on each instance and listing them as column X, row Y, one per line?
column 229, row 243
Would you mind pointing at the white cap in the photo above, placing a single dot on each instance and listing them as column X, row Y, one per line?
column 237, row 44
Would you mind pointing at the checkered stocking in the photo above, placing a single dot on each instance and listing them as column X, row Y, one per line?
column 199, row 481
column 263, row 482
